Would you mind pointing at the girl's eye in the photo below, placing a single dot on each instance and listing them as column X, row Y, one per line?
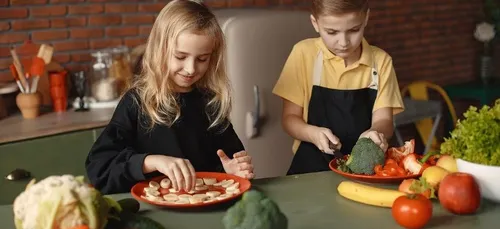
column 332, row 32
column 180, row 58
column 202, row 59
column 355, row 30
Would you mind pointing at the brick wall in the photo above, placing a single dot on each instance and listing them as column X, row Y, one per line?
column 429, row 40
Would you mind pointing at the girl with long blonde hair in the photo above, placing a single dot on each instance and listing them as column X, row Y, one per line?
column 174, row 120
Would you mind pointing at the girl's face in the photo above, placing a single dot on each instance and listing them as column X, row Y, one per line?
column 342, row 34
column 190, row 59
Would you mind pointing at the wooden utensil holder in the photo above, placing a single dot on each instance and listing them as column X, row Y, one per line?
column 29, row 104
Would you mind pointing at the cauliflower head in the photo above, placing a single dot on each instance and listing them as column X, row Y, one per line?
column 62, row 202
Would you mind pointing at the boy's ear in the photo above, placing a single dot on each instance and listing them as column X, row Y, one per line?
column 314, row 23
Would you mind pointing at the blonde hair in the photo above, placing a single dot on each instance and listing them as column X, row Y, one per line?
column 155, row 90
column 329, row 7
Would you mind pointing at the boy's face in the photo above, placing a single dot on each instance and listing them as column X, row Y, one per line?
column 342, row 34
column 190, row 59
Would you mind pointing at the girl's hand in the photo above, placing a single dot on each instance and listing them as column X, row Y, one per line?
column 240, row 165
column 324, row 139
column 178, row 170
column 376, row 137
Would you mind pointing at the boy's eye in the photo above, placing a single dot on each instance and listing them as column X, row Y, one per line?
column 354, row 30
column 332, row 32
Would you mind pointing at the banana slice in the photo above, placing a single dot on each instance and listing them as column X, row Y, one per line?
column 152, row 192
column 195, row 200
column 184, row 196
column 165, row 183
column 199, row 181
column 209, row 181
column 227, row 183
column 213, row 194
column 201, row 196
column 182, row 201
column 201, row 188
column 224, row 196
column 172, row 190
column 232, row 191
column 154, row 184
column 233, row 186
column 209, row 200
column 170, row 197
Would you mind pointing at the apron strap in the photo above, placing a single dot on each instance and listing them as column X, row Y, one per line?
column 318, row 69
column 374, row 83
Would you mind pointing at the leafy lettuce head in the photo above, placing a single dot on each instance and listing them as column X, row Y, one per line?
column 61, row 202
column 476, row 138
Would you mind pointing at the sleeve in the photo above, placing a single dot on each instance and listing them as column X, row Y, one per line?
column 389, row 94
column 291, row 83
column 230, row 143
column 113, row 165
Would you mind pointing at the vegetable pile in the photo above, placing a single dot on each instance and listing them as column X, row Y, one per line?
column 255, row 211
column 62, row 202
column 368, row 159
column 411, row 205
column 476, row 138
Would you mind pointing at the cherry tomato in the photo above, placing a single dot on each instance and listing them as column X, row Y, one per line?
column 378, row 169
column 412, row 211
column 391, row 169
column 390, row 162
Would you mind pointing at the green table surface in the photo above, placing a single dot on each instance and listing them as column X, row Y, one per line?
column 310, row 201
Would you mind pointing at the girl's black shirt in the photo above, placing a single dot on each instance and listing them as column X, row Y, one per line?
column 115, row 161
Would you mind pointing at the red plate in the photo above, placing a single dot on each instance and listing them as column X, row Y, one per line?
column 137, row 190
column 371, row 178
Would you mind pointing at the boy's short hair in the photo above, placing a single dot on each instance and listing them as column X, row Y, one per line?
column 329, row 7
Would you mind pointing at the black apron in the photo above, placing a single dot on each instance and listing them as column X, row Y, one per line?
column 347, row 113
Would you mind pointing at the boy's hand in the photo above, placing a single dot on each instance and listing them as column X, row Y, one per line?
column 324, row 139
column 376, row 137
column 240, row 165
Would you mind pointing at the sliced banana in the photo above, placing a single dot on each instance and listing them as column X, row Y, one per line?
column 209, row 181
column 152, row 192
column 154, row 184
column 182, row 201
column 172, row 190
column 165, row 183
column 227, row 183
column 154, row 198
column 199, row 181
column 233, row 186
column 184, row 196
column 170, row 197
column 192, row 192
column 224, row 196
column 201, row 188
column 232, row 191
column 195, row 200
column 209, row 200
column 213, row 194
column 201, row 196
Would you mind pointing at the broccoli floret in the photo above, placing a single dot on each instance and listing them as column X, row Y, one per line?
column 365, row 156
column 255, row 211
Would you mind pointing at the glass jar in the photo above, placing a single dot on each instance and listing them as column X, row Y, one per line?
column 120, row 67
column 103, row 86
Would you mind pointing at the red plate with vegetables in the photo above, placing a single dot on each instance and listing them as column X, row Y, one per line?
column 211, row 188
column 368, row 163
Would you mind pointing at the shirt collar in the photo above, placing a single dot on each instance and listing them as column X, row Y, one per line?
column 366, row 54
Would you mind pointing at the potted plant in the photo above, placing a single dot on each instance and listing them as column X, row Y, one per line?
column 475, row 143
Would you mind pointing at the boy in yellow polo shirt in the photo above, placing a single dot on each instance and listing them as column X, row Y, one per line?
column 336, row 88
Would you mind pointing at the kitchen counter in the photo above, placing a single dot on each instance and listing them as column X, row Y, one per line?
column 16, row 128
column 309, row 201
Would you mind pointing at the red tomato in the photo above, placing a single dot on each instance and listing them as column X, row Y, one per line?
column 378, row 169
column 412, row 211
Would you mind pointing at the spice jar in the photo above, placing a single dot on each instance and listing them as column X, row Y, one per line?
column 103, row 86
column 120, row 68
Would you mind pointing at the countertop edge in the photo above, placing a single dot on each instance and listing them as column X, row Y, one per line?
column 47, row 133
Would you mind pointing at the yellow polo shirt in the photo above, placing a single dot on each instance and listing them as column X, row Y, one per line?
column 296, row 80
